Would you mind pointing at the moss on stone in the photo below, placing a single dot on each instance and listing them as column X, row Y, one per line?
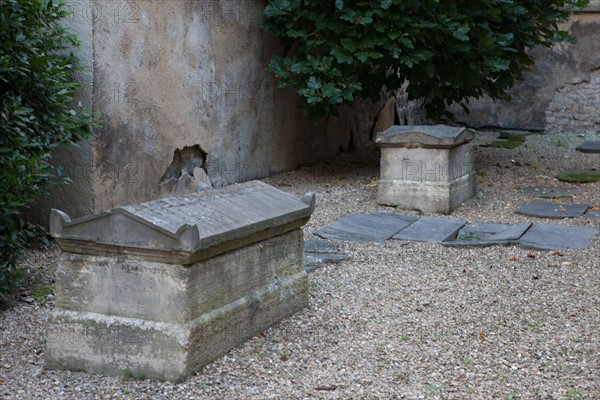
column 505, row 144
column 579, row 175
column 515, row 135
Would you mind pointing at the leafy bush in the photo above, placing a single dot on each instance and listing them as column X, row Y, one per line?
column 447, row 50
column 37, row 114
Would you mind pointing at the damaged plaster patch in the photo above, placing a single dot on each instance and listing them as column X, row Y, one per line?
column 184, row 160
column 574, row 107
column 187, row 172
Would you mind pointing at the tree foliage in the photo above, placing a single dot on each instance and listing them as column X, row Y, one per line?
column 447, row 50
column 37, row 114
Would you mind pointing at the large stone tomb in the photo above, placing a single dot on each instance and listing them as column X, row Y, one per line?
column 162, row 288
column 426, row 168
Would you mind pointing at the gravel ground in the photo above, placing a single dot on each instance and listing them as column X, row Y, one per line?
column 400, row 319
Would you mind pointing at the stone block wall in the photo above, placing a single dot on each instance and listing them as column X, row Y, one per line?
column 575, row 107
column 560, row 94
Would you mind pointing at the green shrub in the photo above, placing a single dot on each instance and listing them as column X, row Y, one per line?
column 37, row 114
column 447, row 50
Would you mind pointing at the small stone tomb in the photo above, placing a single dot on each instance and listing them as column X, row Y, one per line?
column 163, row 288
column 426, row 168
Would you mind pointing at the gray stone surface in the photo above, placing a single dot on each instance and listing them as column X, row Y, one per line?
column 318, row 252
column 551, row 192
column 185, row 229
column 435, row 136
column 167, row 321
column 589, row 147
column 593, row 214
column 431, row 229
column 315, row 246
column 556, row 237
column 375, row 227
column 547, row 209
column 487, row 234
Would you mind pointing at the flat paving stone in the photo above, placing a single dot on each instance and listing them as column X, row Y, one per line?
column 592, row 214
column 579, row 175
column 486, row 234
column 375, row 227
column 589, row 147
column 318, row 253
column 557, row 237
column 431, row 229
column 547, row 209
column 551, row 192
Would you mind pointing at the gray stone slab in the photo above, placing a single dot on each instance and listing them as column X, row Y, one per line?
column 186, row 228
column 551, row 192
column 556, row 237
column 318, row 252
column 436, row 136
column 487, row 234
column 375, row 227
column 589, row 147
column 592, row 214
column 431, row 229
column 547, row 209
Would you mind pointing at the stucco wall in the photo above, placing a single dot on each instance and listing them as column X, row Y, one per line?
column 186, row 76
column 538, row 101
column 191, row 73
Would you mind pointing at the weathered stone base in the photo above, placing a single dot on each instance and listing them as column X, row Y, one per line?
column 167, row 321
column 428, row 197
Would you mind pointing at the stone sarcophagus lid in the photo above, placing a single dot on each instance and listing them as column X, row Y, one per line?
column 428, row 168
column 163, row 288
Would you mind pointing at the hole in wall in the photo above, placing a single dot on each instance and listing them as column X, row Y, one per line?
column 185, row 161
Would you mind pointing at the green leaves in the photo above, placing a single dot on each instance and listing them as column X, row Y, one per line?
column 448, row 51
column 37, row 114
column 385, row 4
column 348, row 44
